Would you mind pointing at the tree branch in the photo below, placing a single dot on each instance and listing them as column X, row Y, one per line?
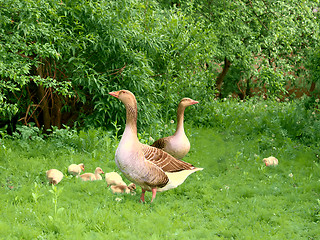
column 257, row 16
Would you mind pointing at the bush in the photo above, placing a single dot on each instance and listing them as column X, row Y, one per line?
column 61, row 58
column 270, row 119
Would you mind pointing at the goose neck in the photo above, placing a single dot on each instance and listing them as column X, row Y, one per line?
column 180, row 119
column 131, row 119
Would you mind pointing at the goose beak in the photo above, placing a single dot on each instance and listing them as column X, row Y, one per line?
column 115, row 94
column 194, row 102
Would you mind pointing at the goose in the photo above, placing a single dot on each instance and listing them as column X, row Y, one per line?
column 151, row 168
column 113, row 178
column 54, row 176
column 271, row 161
column 75, row 169
column 92, row 176
column 132, row 187
column 178, row 144
column 120, row 188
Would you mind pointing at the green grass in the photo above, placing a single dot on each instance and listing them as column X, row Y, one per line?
column 234, row 197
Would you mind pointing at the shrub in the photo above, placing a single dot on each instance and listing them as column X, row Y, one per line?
column 266, row 118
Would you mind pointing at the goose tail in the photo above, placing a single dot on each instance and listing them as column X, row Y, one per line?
column 177, row 178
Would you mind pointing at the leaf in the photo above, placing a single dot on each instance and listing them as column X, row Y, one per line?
column 60, row 210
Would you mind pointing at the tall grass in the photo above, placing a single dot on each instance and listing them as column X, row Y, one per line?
column 235, row 197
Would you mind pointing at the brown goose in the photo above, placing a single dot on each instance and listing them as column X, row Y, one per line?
column 149, row 167
column 178, row 144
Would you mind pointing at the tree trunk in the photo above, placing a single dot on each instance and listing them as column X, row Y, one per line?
column 45, row 107
column 248, row 90
column 222, row 75
column 312, row 87
column 43, row 100
column 56, row 111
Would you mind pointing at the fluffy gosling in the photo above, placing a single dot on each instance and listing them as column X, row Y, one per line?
column 92, row 176
column 271, row 161
column 113, row 178
column 75, row 169
column 54, row 176
column 123, row 188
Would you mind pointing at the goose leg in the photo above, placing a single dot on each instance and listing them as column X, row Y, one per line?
column 154, row 192
column 142, row 195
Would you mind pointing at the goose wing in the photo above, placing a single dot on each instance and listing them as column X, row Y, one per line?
column 155, row 176
column 160, row 143
column 163, row 160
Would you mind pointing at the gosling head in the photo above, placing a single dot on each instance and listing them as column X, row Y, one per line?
column 132, row 187
column 99, row 170
column 81, row 166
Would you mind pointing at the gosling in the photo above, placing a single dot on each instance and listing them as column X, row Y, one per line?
column 75, row 169
column 54, row 176
column 113, row 178
column 92, row 176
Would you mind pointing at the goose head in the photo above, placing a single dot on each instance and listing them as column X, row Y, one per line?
column 125, row 96
column 187, row 102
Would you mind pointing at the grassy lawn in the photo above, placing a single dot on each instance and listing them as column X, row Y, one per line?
column 234, row 197
column 247, row 200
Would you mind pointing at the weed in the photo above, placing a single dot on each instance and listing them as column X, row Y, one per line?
column 36, row 193
column 117, row 128
column 55, row 191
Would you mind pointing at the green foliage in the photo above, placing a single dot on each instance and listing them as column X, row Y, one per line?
column 273, row 121
column 267, row 40
column 59, row 59
column 82, row 50
column 313, row 63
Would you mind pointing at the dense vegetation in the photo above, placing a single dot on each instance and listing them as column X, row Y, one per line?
column 59, row 59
